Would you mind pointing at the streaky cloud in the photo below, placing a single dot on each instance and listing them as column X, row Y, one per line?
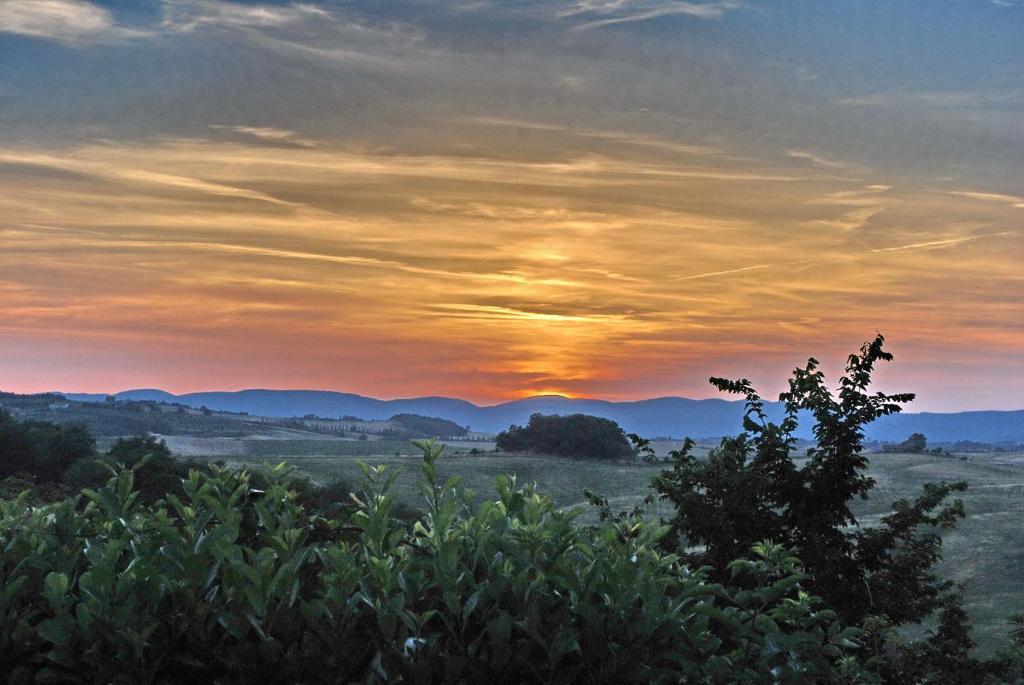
column 601, row 13
column 943, row 243
column 74, row 23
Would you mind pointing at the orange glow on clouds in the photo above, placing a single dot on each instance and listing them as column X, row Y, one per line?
column 493, row 200
column 192, row 264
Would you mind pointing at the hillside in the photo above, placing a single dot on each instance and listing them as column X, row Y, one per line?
column 663, row 416
column 155, row 414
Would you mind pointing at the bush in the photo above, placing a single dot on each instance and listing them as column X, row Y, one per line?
column 41, row 449
column 577, row 435
column 233, row 583
column 157, row 474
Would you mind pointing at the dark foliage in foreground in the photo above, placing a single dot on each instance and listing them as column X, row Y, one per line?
column 157, row 473
column 231, row 583
column 577, row 435
column 751, row 488
column 41, row 449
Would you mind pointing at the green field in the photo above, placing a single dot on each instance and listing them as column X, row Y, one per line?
column 986, row 552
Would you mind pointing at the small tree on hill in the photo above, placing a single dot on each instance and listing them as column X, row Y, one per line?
column 915, row 444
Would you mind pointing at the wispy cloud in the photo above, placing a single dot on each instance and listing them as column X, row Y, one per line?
column 724, row 272
column 632, row 138
column 942, row 243
column 597, row 13
column 851, row 220
column 1014, row 200
column 859, row 206
column 300, row 25
column 826, row 162
column 138, row 176
column 187, row 15
column 935, row 99
column 71, row 22
column 269, row 134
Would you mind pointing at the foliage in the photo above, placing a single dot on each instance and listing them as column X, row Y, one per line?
column 157, row 473
column 750, row 488
column 234, row 583
column 40, row 449
column 577, row 435
column 643, row 449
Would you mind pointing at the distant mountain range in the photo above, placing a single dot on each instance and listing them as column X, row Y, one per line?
column 663, row 416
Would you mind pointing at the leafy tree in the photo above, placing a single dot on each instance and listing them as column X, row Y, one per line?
column 42, row 449
column 130, row 451
column 750, row 488
column 880, row 577
column 576, row 435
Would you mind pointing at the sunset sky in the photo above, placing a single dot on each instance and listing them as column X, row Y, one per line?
column 490, row 199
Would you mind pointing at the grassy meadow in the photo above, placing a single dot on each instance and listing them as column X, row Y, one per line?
column 986, row 551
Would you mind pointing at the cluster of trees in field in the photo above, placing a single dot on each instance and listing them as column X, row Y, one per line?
column 915, row 444
column 398, row 426
column 761, row 574
column 414, row 425
column 48, row 453
column 577, row 435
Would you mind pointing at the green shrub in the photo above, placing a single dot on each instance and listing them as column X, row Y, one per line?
column 237, row 583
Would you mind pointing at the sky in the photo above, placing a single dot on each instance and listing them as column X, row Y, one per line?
column 491, row 199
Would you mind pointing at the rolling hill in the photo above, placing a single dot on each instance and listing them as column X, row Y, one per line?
column 663, row 416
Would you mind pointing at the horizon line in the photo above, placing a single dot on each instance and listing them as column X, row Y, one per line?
column 906, row 410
